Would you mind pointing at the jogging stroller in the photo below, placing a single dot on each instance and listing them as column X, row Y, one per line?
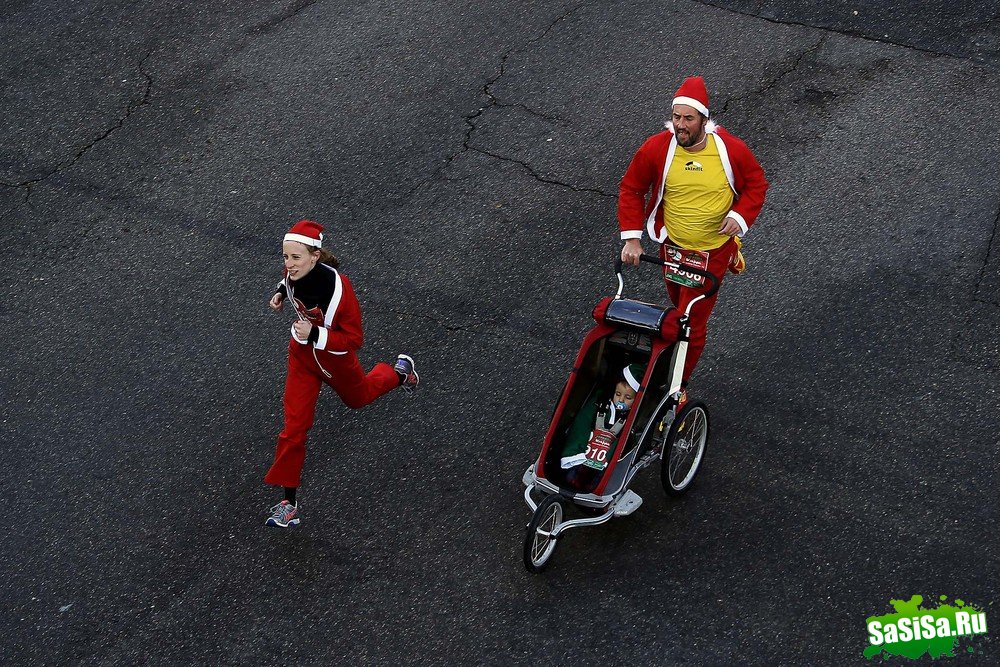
column 626, row 332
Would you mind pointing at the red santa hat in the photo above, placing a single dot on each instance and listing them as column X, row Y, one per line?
column 306, row 231
column 694, row 94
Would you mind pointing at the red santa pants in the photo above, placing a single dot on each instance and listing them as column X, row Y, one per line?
column 718, row 264
column 302, row 385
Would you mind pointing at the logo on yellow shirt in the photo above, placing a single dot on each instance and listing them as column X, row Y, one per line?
column 693, row 165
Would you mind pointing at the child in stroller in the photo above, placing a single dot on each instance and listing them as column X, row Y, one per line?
column 595, row 431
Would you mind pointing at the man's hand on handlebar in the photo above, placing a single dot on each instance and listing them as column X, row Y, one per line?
column 631, row 252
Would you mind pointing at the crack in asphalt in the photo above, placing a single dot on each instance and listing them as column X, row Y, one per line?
column 986, row 260
column 525, row 107
column 956, row 345
column 494, row 101
column 487, row 89
column 776, row 80
column 130, row 109
column 539, row 177
column 846, row 33
column 273, row 22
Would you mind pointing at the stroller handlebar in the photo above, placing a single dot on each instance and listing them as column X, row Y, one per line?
column 662, row 262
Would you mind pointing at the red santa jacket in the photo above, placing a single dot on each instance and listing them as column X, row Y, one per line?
column 325, row 297
column 645, row 172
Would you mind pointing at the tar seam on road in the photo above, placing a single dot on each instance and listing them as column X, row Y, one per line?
column 495, row 102
column 774, row 82
column 273, row 22
column 130, row 109
column 846, row 33
column 985, row 264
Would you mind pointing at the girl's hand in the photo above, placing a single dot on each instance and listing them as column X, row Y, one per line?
column 302, row 329
column 277, row 302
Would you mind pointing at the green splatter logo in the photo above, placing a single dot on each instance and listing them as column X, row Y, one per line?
column 915, row 631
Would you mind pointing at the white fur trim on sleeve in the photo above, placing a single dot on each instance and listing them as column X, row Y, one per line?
column 740, row 221
column 570, row 461
column 321, row 339
column 632, row 234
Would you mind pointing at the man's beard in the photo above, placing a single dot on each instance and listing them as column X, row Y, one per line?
column 690, row 141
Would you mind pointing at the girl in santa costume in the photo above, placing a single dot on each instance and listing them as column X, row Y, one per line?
column 323, row 347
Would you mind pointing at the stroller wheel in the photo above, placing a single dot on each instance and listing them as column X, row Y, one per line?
column 684, row 448
column 538, row 544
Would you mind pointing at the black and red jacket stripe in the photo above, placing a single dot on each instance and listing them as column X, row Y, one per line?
column 324, row 296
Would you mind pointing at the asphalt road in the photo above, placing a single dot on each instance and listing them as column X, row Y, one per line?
column 465, row 158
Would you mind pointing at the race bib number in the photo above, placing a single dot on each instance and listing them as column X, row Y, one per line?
column 694, row 258
column 599, row 449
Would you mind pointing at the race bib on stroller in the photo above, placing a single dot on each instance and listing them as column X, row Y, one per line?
column 694, row 258
column 599, row 449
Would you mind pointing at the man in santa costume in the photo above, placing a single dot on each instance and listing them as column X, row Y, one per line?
column 697, row 187
column 323, row 348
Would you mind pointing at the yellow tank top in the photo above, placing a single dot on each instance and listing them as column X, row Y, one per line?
column 696, row 197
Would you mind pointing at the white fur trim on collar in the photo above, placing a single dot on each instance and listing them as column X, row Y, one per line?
column 710, row 126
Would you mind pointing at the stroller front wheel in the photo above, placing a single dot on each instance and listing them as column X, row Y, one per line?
column 539, row 544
